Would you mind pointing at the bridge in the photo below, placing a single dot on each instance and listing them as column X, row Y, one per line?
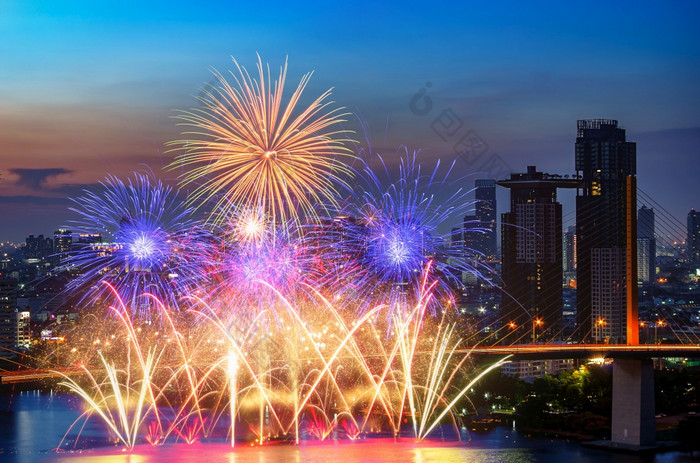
column 584, row 351
column 28, row 376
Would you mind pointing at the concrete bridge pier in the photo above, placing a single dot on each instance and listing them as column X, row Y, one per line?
column 633, row 421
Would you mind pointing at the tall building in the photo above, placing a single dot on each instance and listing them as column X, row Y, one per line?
column 456, row 237
column 62, row 243
column 486, row 215
column 569, row 249
column 569, row 254
column 646, row 246
column 531, row 250
column 89, row 238
column 471, row 236
column 605, row 229
column 645, row 222
column 693, row 239
column 31, row 247
column 8, row 317
column 62, row 240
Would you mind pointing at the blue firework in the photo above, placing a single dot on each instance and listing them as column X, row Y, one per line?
column 396, row 234
column 136, row 236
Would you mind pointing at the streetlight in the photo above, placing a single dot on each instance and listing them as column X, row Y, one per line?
column 512, row 325
column 659, row 323
column 643, row 324
column 535, row 323
column 599, row 323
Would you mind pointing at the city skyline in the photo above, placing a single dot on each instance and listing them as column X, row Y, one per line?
column 105, row 106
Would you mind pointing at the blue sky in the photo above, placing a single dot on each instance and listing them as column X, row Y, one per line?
column 90, row 88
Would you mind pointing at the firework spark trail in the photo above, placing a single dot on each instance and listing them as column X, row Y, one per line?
column 327, row 364
column 358, row 354
column 247, row 148
column 232, row 375
column 237, row 346
column 129, row 417
column 186, row 364
column 424, row 391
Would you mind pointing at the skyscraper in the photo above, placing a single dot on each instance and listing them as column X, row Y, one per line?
column 646, row 246
column 693, row 239
column 645, row 222
column 531, row 249
column 486, row 215
column 62, row 243
column 605, row 228
column 569, row 254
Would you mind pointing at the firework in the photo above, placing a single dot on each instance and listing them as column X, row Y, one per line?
column 245, row 269
column 246, row 263
column 248, row 147
column 315, row 372
column 395, row 233
column 296, row 313
column 134, row 234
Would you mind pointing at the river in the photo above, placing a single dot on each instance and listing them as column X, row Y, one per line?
column 32, row 423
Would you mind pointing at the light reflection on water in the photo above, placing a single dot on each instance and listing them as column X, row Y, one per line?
column 33, row 423
column 345, row 452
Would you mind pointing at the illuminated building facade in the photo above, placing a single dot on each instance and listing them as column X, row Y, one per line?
column 37, row 248
column 24, row 328
column 530, row 369
column 62, row 240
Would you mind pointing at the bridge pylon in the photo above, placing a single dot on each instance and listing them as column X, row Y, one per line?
column 631, row 263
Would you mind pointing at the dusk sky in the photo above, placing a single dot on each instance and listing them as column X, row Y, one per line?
column 89, row 89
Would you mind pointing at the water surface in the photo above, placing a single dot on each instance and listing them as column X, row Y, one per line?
column 33, row 424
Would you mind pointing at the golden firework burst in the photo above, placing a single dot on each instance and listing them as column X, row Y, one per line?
column 247, row 147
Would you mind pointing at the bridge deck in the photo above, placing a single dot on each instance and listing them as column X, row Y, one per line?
column 519, row 352
column 580, row 351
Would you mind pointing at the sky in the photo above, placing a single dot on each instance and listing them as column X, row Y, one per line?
column 90, row 88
